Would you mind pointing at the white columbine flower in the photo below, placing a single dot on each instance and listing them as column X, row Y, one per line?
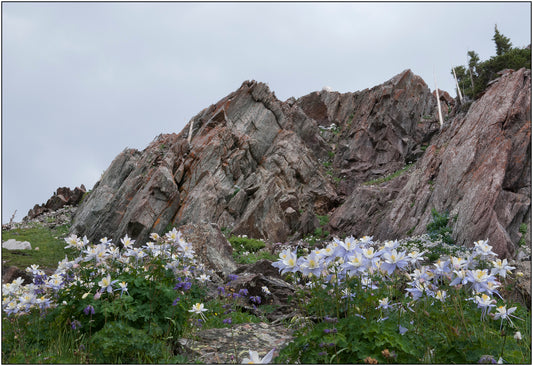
column 254, row 358
column 197, row 308
column 266, row 290
column 503, row 313
column 501, row 268
column 127, row 241
column 106, row 284
column 203, row 278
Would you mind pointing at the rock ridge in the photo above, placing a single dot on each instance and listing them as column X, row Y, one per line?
column 255, row 165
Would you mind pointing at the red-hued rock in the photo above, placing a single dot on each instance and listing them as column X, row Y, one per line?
column 63, row 196
column 478, row 168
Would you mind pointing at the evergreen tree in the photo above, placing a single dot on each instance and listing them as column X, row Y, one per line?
column 473, row 79
column 503, row 44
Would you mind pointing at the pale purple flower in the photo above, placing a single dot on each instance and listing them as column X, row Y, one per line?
column 89, row 310
column 393, row 260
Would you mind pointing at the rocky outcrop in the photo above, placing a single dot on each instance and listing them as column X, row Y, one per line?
column 375, row 162
column 259, row 166
column 478, row 168
column 63, row 196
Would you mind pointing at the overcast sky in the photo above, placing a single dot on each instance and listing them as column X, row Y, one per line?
column 83, row 81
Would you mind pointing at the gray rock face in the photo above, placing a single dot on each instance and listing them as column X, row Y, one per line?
column 217, row 256
column 265, row 168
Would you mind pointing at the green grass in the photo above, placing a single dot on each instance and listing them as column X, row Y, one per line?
column 388, row 177
column 249, row 250
column 49, row 241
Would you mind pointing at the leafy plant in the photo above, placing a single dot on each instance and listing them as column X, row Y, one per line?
column 438, row 228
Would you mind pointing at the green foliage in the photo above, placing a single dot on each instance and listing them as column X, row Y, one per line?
column 522, row 230
column 244, row 244
column 438, row 228
column 473, row 79
column 49, row 241
column 118, row 342
column 503, row 44
column 388, row 177
column 249, row 258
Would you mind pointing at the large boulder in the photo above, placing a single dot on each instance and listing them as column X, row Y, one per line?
column 217, row 256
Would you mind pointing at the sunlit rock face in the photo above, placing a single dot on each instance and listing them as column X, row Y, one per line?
column 258, row 166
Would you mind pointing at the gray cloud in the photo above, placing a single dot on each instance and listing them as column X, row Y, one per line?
column 83, row 81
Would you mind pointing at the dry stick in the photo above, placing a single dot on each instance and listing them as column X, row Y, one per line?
column 457, row 84
column 438, row 99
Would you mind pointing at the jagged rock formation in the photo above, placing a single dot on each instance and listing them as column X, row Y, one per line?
column 267, row 169
column 62, row 197
column 478, row 168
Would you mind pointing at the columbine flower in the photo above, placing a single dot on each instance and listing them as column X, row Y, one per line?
column 123, row 287
column 203, row 278
column 483, row 249
column 479, row 279
column 254, row 358
column 74, row 242
column 517, row 336
column 485, row 303
column 503, row 313
column 198, row 308
column 355, row 264
column 460, row 279
column 458, row 263
column 127, row 241
column 384, row 304
column 266, row 290
column 288, row 263
column 311, row 265
column 402, row 330
column 393, row 260
column 346, row 293
column 501, row 268
column 441, row 295
column 106, row 284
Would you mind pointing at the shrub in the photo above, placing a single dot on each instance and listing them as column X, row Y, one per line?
column 438, row 227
